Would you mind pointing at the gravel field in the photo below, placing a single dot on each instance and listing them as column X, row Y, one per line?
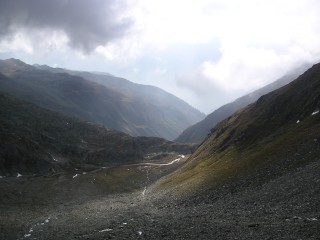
column 285, row 205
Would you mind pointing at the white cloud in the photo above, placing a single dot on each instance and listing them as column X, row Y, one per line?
column 86, row 24
column 168, row 22
column 123, row 51
column 260, row 41
column 16, row 42
column 35, row 42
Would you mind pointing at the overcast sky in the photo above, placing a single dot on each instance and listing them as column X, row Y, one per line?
column 207, row 52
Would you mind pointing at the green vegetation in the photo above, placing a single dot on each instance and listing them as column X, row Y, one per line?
column 266, row 133
column 198, row 132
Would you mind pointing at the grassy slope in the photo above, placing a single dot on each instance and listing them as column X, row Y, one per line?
column 264, row 133
column 198, row 132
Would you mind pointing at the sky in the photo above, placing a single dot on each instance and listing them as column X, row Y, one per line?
column 206, row 52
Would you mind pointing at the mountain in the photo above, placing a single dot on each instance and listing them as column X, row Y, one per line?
column 117, row 103
column 271, row 140
column 35, row 140
column 144, row 93
column 257, row 174
column 255, row 177
column 199, row 131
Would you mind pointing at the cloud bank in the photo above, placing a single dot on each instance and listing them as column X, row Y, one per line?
column 82, row 24
column 259, row 42
column 207, row 52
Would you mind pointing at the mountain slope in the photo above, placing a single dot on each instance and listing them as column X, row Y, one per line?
column 35, row 140
column 129, row 111
column 275, row 136
column 199, row 131
column 170, row 106
column 256, row 177
column 168, row 109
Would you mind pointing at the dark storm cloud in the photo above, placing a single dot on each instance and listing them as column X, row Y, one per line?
column 87, row 23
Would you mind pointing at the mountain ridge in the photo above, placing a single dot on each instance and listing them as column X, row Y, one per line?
column 271, row 133
column 88, row 99
column 199, row 131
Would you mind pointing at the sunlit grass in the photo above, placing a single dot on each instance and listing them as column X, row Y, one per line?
column 207, row 170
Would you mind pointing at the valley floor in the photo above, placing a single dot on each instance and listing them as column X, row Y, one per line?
column 284, row 207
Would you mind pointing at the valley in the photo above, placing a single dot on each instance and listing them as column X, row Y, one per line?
column 90, row 197
column 255, row 176
column 238, row 210
column 159, row 120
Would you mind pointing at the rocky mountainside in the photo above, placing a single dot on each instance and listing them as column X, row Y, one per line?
column 38, row 141
column 255, row 177
column 117, row 103
column 199, row 131
column 279, row 132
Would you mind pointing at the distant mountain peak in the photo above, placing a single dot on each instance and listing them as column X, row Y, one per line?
column 12, row 64
column 16, row 61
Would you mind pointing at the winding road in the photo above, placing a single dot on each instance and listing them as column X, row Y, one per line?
column 158, row 164
column 155, row 164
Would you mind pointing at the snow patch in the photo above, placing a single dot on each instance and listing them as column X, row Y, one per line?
column 75, row 175
column 144, row 191
column 84, row 173
column 19, row 175
column 298, row 121
column 182, row 156
column 105, row 230
column 124, row 223
column 36, row 226
column 140, row 233
column 45, row 221
column 315, row 112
